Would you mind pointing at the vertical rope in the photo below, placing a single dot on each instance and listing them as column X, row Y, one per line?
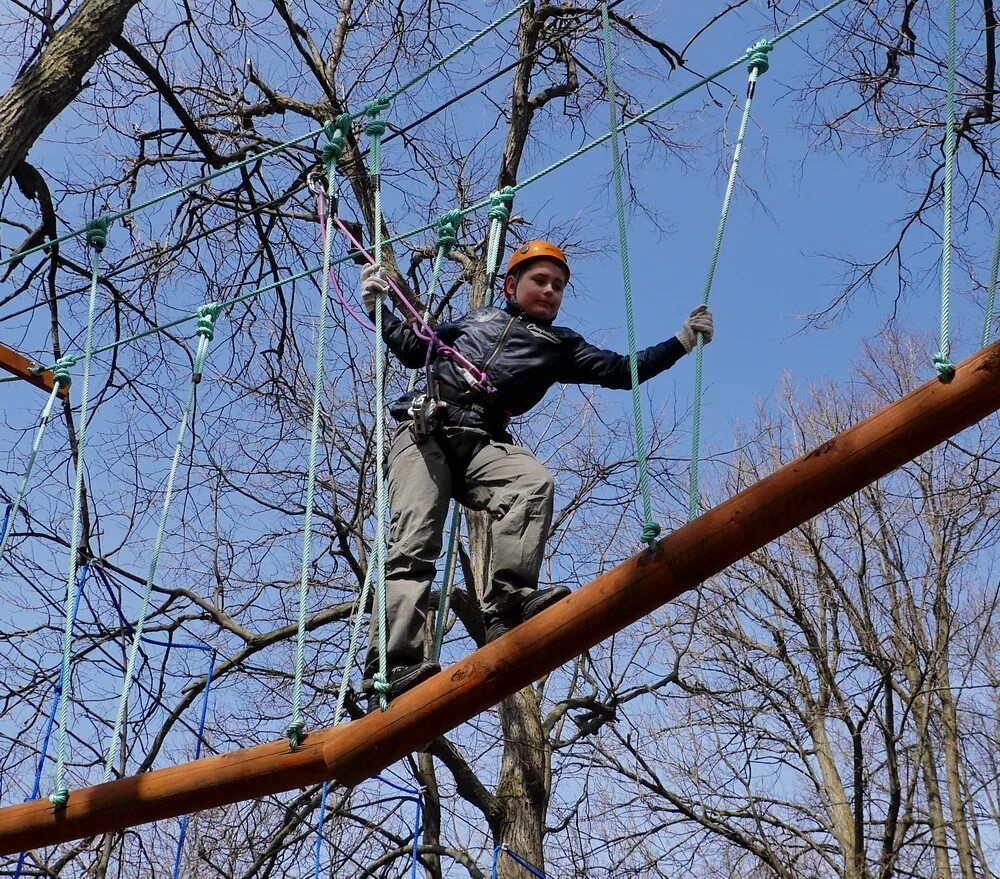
column 318, row 852
column 499, row 214
column 417, row 827
column 651, row 529
column 331, row 155
column 205, row 331
column 44, row 750
column 97, row 238
column 447, row 236
column 448, row 583
column 942, row 360
column 758, row 63
column 197, row 755
column 60, row 379
column 991, row 294
column 375, row 128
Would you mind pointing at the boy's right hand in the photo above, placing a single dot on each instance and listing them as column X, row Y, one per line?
column 699, row 321
column 373, row 285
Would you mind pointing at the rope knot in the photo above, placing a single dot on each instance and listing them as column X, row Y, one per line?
column 650, row 533
column 336, row 133
column 296, row 733
column 97, row 232
column 207, row 315
column 375, row 127
column 944, row 366
column 448, row 229
column 757, row 57
column 60, row 372
column 500, row 203
column 59, row 798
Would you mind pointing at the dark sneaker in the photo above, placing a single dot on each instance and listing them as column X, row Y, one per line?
column 401, row 679
column 541, row 599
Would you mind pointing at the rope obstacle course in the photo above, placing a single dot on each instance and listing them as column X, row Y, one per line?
column 347, row 754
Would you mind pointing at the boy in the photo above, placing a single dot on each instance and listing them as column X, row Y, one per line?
column 463, row 450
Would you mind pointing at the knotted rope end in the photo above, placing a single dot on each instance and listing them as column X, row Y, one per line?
column 296, row 733
column 944, row 367
column 757, row 57
column 96, row 232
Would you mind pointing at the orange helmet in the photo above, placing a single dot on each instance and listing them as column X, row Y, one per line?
column 534, row 250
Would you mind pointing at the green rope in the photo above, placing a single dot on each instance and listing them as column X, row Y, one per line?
column 656, row 108
column 499, row 214
column 336, row 135
column 758, row 64
column 991, row 293
column 942, row 360
column 60, row 380
column 352, row 648
column 375, row 128
column 475, row 38
column 447, row 236
column 471, row 209
column 651, row 530
column 205, row 332
column 448, row 225
column 253, row 157
column 97, row 237
column 448, row 583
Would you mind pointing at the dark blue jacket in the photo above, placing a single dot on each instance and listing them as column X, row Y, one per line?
column 523, row 358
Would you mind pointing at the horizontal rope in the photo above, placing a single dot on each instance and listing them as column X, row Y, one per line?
column 479, row 205
column 252, row 156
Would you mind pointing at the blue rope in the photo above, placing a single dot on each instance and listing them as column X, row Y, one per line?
column 517, row 858
column 414, row 795
column 197, row 750
column 416, row 836
column 6, row 521
column 37, row 786
column 319, row 829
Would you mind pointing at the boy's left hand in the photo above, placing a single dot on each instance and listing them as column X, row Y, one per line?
column 373, row 283
column 699, row 321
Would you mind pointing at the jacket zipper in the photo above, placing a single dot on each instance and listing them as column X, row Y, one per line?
column 499, row 345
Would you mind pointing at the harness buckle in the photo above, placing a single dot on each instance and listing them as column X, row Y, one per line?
column 424, row 410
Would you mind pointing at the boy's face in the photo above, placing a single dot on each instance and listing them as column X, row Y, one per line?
column 538, row 288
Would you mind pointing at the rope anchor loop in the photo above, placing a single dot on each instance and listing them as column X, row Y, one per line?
column 207, row 315
column 448, row 229
column 97, row 232
column 944, row 366
column 336, row 135
column 296, row 733
column 375, row 127
column 757, row 57
column 500, row 203
column 60, row 372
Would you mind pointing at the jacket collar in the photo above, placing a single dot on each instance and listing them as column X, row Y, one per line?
column 512, row 308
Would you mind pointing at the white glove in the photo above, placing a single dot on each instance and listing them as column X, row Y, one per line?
column 699, row 321
column 373, row 284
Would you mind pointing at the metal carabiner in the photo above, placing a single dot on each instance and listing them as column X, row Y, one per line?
column 316, row 182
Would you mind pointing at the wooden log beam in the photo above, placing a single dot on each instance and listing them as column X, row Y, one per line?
column 355, row 751
column 22, row 367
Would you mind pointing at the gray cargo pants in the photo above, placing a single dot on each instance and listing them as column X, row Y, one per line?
column 506, row 480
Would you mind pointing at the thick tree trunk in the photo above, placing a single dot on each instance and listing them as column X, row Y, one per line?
column 43, row 91
column 523, row 789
